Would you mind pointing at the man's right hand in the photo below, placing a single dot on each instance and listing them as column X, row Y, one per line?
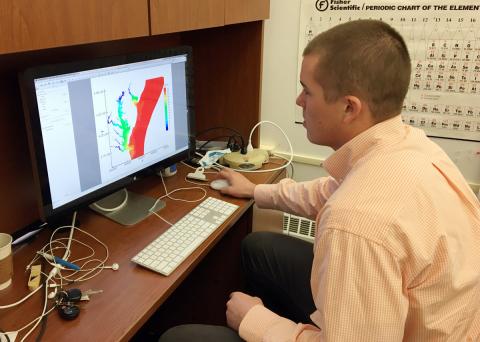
column 240, row 186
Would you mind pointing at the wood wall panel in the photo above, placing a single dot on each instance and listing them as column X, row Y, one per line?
column 184, row 15
column 238, row 11
column 227, row 65
column 29, row 25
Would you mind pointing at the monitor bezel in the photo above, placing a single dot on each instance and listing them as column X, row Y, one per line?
column 34, row 132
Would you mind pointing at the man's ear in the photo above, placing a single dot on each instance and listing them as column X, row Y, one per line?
column 352, row 108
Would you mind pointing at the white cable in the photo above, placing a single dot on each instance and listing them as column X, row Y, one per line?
column 167, row 194
column 90, row 272
column 55, row 272
column 98, row 268
column 75, row 261
column 291, row 164
column 118, row 207
column 21, row 300
column 70, row 237
column 190, row 166
column 189, row 188
column 161, row 218
column 249, row 146
column 38, row 288
column 196, row 183
column 39, row 318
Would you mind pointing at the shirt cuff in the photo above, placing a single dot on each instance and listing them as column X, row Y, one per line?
column 262, row 194
column 256, row 323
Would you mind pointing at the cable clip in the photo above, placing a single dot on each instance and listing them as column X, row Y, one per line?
column 198, row 174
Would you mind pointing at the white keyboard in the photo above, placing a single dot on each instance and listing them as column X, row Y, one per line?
column 169, row 250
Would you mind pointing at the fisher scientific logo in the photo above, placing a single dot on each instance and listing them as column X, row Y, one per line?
column 321, row 5
column 337, row 5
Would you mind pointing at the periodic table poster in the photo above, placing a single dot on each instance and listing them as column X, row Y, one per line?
column 443, row 38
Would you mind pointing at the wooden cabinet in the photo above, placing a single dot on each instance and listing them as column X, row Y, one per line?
column 33, row 25
column 185, row 15
column 239, row 11
column 30, row 25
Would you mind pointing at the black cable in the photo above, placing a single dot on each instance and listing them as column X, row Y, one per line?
column 210, row 140
column 233, row 143
column 243, row 148
column 218, row 127
column 43, row 327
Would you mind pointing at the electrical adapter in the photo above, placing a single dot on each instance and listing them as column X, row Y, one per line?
column 34, row 279
column 197, row 175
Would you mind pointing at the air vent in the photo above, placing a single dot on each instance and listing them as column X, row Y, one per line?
column 298, row 227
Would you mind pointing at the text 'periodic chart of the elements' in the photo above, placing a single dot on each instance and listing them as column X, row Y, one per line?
column 443, row 39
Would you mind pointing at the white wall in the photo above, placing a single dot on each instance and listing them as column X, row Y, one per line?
column 279, row 94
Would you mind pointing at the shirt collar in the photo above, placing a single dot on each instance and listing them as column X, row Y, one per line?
column 339, row 164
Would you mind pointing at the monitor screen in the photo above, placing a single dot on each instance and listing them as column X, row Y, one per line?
column 93, row 125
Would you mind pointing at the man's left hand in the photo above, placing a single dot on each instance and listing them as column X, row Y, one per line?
column 238, row 306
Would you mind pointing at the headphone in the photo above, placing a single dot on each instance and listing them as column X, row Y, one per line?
column 113, row 267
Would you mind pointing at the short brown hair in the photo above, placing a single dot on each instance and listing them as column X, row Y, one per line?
column 365, row 58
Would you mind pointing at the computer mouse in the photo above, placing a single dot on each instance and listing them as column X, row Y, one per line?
column 218, row 184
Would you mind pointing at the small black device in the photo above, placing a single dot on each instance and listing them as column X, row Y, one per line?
column 68, row 311
column 66, row 300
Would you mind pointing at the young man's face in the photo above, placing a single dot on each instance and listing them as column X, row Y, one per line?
column 321, row 119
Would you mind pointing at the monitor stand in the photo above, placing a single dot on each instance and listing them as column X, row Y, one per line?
column 126, row 207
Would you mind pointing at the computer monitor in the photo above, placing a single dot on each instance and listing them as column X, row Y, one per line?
column 94, row 125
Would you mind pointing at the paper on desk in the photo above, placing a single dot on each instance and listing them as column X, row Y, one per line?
column 212, row 157
column 11, row 335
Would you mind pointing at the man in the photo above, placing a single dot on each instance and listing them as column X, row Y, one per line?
column 397, row 247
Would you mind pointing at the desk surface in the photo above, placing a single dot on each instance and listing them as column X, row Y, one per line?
column 131, row 294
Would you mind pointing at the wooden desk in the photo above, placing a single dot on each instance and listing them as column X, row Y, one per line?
column 195, row 292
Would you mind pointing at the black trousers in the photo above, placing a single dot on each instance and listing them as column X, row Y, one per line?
column 277, row 269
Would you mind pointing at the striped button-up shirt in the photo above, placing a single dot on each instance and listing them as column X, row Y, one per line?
column 397, row 245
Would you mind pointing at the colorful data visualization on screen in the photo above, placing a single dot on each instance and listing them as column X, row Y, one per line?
column 134, row 116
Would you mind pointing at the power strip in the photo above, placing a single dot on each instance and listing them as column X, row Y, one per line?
column 252, row 160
